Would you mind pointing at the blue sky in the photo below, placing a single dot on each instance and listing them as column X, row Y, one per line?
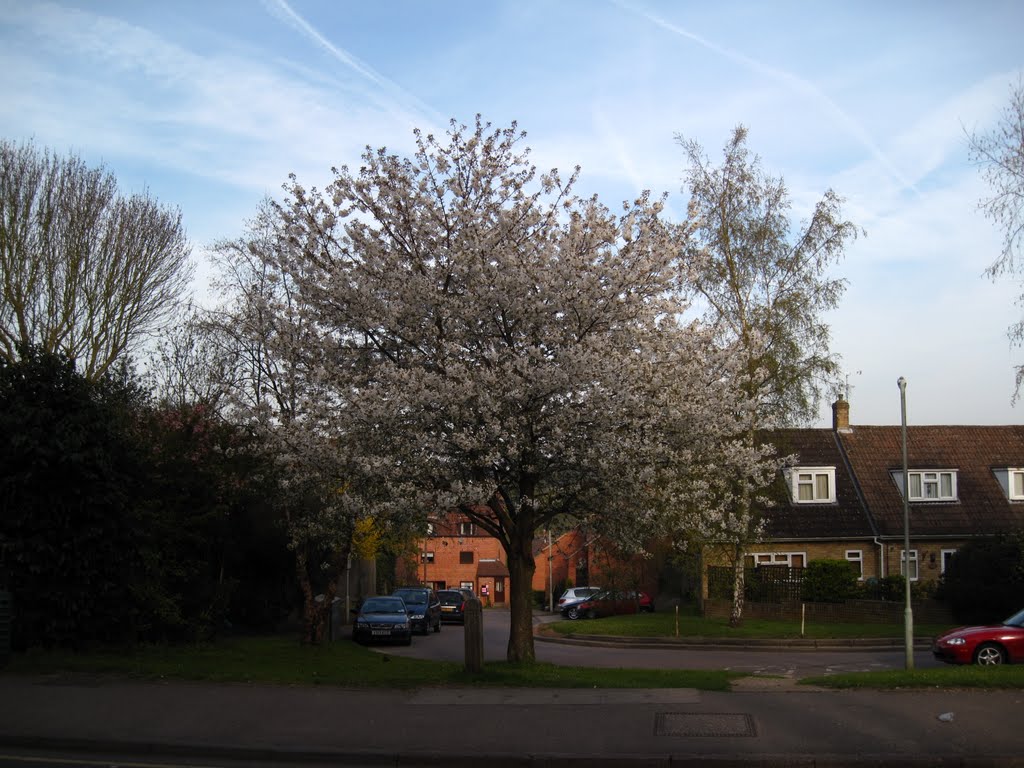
column 210, row 105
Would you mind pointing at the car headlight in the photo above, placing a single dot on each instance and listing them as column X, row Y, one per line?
column 956, row 641
column 417, row 615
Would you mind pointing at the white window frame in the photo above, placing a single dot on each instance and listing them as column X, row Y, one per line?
column 944, row 556
column 915, row 564
column 921, row 478
column 809, row 477
column 466, row 528
column 855, row 557
column 1007, row 478
column 427, row 557
column 778, row 558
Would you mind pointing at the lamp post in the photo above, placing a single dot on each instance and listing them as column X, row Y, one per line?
column 908, row 614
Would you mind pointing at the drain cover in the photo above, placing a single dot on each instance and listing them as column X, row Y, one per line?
column 704, row 724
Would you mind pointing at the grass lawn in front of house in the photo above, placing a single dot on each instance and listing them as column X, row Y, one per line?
column 663, row 625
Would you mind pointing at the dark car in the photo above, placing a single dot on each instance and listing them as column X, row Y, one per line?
column 423, row 606
column 382, row 619
column 608, row 603
column 984, row 645
column 453, row 605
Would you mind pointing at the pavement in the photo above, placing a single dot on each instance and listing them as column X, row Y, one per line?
column 763, row 722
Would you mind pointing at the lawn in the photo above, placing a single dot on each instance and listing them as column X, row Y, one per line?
column 693, row 626
column 284, row 661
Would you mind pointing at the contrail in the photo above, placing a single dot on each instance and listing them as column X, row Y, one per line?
column 282, row 8
column 792, row 81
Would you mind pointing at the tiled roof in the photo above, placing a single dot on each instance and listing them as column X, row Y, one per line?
column 842, row 520
column 974, row 452
column 491, row 568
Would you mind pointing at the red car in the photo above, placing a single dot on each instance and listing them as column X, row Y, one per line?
column 608, row 603
column 991, row 644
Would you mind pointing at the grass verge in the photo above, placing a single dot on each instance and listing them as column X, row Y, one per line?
column 284, row 661
column 663, row 625
column 942, row 677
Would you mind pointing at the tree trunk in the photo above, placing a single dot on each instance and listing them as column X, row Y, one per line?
column 738, row 573
column 521, row 566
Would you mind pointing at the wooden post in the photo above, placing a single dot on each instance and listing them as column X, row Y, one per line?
column 474, row 635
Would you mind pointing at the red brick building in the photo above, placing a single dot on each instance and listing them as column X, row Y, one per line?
column 458, row 553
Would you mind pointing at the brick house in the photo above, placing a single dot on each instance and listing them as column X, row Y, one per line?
column 458, row 553
column 843, row 499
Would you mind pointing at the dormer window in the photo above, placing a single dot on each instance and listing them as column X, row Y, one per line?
column 928, row 485
column 1012, row 482
column 812, row 485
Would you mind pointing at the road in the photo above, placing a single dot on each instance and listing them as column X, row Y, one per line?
column 448, row 645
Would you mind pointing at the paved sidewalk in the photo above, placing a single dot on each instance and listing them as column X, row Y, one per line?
column 512, row 727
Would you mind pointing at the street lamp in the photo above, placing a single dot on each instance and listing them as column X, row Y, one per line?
column 908, row 614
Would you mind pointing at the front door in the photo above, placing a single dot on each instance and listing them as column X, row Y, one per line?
column 499, row 589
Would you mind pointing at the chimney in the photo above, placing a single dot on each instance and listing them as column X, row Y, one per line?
column 841, row 415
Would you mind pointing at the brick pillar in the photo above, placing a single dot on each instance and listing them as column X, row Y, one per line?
column 841, row 416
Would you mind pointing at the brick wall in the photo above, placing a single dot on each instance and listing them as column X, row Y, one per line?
column 447, row 568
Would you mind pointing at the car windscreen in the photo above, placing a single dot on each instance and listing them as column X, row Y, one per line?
column 413, row 598
column 450, row 598
column 384, row 605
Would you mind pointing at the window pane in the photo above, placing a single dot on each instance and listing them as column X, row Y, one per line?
column 915, row 486
column 805, row 491
column 947, row 485
column 1017, row 483
column 821, row 482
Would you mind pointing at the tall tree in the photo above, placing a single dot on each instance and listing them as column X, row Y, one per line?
column 765, row 286
column 84, row 271
column 260, row 341
column 1000, row 155
column 497, row 345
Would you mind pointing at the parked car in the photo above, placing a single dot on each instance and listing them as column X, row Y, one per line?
column 424, row 607
column 575, row 594
column 607, row 603
column 453, row 605
column 984, row 645
column 382, row 619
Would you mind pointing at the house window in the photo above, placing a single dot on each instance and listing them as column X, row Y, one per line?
column 426, row 557
column 465, row 584
column 465, row 529
column 913, row 564
column 855, row 558
column 465, row 558
column 792, row 559
column 813, row 485
column 929, row 485
column 947, row 555
column 1012, row 482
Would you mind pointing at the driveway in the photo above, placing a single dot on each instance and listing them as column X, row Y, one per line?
column 449, row 645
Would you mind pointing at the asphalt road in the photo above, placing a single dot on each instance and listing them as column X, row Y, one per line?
column 449, row 645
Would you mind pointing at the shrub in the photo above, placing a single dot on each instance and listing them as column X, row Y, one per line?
column 829, row 581
column 984, row 580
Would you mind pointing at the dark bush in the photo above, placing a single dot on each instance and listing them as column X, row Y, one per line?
column 984, row 580
column 829, row 581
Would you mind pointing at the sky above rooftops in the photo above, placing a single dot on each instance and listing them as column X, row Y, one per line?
column 211, row 105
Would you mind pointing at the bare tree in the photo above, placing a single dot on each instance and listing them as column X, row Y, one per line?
column 86, row 272
column 1000, row 155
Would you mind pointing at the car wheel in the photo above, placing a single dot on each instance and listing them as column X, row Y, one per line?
column 573, row 613
column 989, row 654
column 591, row 614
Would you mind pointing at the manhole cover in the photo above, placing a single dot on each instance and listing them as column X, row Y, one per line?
column 704, row 724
